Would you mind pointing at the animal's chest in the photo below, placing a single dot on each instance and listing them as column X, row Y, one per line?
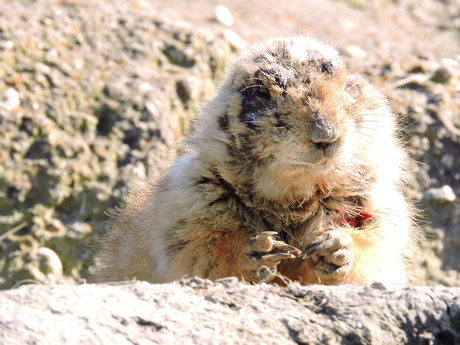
column 295, row 220
column 301, row 223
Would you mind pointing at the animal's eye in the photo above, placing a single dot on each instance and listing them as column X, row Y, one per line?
column 256, row 91
column 262, row 91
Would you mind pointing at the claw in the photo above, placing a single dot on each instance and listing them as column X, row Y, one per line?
column 270, row 259
column 332, row 255
column 265, row 253
column 278, row 256
column 267, row 234
column 263, row 242
column 331, row 270
column 312, row 248
column 286, row 247
column 311, row 245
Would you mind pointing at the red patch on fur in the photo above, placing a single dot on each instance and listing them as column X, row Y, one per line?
column 356, row 222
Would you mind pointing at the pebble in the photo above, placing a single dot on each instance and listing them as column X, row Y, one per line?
column 10, row 99
column 443, row 194
column 50, row 263
column 234, row 39
column 379, row 286
column 355, row 51
column 224, row 16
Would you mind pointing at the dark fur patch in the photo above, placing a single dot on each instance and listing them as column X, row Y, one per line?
column 216, row 239
column 230, row 191
column 224, row 123
column 250, row 119
column 280, row 121
column 222, row 198
column 254, row 109
column 281, row 77
column 212, row 265
column 246, row 141
column 204, row 180
column 327, row 67
column 182, row 222
column 353, row 86
column 192, row 264
column 177, row 246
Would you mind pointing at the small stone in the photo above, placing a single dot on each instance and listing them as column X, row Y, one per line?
column 445, row 194
column 447, row 73
column 379, row 286
column 448, row 161
column 234, row 39
column 50, row 263
column 355, row 51
column 226, row 280
column 10, row 99
column 7, row 45
column 145, row 87
column 224, row 16
column 412, row 80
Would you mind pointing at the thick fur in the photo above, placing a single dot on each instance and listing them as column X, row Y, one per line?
column 293, row 169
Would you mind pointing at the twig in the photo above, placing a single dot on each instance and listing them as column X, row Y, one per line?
column 12, row 231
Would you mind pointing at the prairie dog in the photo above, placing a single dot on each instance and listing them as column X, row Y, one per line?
column 293, row 169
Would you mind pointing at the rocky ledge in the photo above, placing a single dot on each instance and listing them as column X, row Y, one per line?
column 196, row 311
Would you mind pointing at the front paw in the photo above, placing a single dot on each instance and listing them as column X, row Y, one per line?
column 265, row 253
column 332, row 254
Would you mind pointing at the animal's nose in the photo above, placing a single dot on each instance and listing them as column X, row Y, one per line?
column 324, row 133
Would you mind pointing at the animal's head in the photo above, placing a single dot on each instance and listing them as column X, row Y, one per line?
column 290, row 104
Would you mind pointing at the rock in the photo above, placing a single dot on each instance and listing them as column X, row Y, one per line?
column 447, row 73
column 10, row 99
column 224, row 16
column 445, row 194
column 234, row 39
column 50, row 264
column 196, row 311
column 354, row 51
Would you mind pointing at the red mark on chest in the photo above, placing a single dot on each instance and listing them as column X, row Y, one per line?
column 355, row 221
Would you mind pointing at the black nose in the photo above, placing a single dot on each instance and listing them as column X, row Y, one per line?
column 324, row 133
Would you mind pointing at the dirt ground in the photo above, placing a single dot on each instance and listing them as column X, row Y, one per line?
column 390, row 29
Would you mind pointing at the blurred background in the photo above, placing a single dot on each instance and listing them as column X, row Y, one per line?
column 95, row 96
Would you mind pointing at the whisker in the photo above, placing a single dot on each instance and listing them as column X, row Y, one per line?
column 368, row 136
column 370, row 129
column 250, row 87
column 255, row 78
column 271, row 138
column 370, row 121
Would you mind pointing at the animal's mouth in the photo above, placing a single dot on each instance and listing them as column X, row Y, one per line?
column 327, row 150
column 322, row 154
column 320, row 162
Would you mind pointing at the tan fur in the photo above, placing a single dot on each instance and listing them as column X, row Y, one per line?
column 293, row 145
